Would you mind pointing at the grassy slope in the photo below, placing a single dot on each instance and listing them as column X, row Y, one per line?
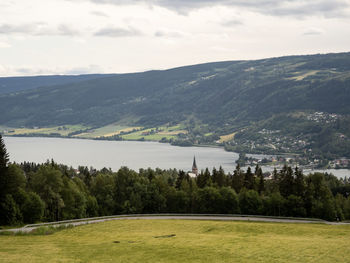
column 195, row 241
column 228, row 137
column 109, row 130
column 63, row 130
column 164, row 132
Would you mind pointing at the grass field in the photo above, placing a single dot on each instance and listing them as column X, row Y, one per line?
column 228, row 137
column 63, row 130
column 151, row 134
column 304, row 75
column 183, row 241
column 156, row 135
column 109, row 130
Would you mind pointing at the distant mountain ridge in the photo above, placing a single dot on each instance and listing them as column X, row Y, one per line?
column 16, row 84
column 214, row 98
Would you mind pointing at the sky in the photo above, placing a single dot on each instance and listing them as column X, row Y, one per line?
column 45, row 37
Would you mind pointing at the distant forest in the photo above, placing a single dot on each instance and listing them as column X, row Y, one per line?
column 32, row 192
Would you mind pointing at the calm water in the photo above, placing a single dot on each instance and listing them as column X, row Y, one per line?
column 337, row 172
column 114, row 154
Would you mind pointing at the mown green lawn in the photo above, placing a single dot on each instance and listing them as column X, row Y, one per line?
column 194, row 241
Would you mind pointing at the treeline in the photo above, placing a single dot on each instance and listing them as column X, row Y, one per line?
column 49, row 192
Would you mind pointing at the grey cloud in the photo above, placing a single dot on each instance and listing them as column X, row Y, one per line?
column 313, row 32
column 66, row 30
column 38, row 29
column 335, row 8
column 299, row 8
column 42, row 29
column 24, row 28
column 171, row 34
column 117, row 32
column 98, row 13
column 232, row 23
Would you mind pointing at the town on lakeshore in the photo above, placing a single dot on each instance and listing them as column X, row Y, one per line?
column 304, row 163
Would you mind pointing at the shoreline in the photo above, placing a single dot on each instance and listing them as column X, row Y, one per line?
column 105, row 140
column 266, row 168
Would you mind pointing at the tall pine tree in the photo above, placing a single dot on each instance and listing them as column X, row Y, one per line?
column 4, row 156
column 260, row 176
column 237, row 179
column 4, row 159
column 249, row 179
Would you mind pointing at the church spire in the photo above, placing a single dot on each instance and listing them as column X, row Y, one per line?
column 194, row 166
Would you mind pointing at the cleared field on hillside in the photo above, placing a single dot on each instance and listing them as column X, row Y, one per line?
column 63, row 130
column 156, row 134
column 183, row 241
column 228, row 137
column 109, row 130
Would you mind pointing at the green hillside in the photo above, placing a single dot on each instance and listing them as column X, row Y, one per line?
column 263, row 101
column 183, row 241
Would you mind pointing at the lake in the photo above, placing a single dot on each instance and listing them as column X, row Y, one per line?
column 114, row 154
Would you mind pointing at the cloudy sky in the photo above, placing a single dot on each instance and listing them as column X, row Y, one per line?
column 40, row 37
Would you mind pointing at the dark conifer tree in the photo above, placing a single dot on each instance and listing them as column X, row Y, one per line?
column 9, row 211
column 237, row 179
column 219, row 177
column 299, row 183
column 207, row 177
column 275, row 181
column 249, row 179
column 287, row 182
column 4, row 159
column 214, row 175
column 260, row 176
column 203, row 179
column 182, row 176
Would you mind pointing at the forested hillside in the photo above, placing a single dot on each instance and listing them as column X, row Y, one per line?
column 297, row 99
column 15, row 84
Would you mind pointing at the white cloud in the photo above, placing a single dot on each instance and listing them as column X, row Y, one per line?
column 55, row 36
column 83, row 70
column 28, row 70
column 4, row 45
column 37, row 29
